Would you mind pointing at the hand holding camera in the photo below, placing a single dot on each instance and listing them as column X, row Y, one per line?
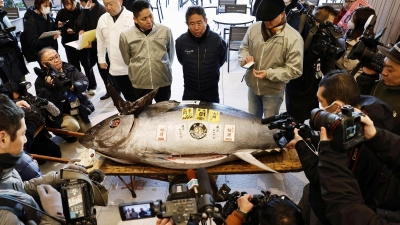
column 51, row 200
column 70, row 165
column 244, row 205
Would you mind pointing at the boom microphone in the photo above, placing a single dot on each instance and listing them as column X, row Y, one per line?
column 206, row 201
column 52, row 109
column 193, row 183
column 204, row 182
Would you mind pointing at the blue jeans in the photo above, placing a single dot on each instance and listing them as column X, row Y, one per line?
column 268, row 105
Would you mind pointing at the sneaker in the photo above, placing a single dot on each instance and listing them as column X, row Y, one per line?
column 91, row 92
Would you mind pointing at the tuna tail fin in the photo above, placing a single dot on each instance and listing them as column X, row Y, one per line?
column 127, row 107
column 246, row 155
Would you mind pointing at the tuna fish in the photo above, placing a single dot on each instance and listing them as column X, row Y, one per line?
column 179, row 135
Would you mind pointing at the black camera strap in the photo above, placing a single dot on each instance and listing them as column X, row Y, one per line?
column 354, row 155
column 7, row 197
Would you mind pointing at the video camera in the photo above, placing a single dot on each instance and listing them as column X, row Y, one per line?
column 258, row 200
column 322, row 38
column 80, row 194
column 60, row 79
column 287, row 124
column 180, row 205
column 365, row 50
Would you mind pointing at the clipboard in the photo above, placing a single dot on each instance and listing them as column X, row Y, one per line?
column 84, row 39
column 48, row 34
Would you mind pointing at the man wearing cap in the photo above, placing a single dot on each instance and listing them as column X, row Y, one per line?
column 387, row 88
column 277, row 52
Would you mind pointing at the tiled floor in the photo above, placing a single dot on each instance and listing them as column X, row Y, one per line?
column 233, row 92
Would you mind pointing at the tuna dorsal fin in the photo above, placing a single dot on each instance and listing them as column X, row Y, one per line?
column 248, row 157
column 127, row 107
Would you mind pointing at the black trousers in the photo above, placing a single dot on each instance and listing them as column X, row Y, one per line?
column 125, row 86
column 209, row 95
column 163, row 93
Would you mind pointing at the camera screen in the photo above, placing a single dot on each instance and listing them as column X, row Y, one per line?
column 132, row 212
column 75, row 203
column 351, row 132
column 282, row 142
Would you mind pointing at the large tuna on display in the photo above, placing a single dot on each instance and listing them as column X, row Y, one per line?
column 179, row 135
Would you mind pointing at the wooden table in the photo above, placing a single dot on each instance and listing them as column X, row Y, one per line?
column 285, row 161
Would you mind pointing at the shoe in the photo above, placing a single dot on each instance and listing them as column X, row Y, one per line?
column 71, row 139
column 107, row 95
column 91, row 92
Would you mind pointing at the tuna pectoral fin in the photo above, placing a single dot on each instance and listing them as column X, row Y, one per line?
column 248, row 157
column 127, row 107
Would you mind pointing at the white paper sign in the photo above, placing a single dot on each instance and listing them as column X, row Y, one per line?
column 161, row 133
column 229, row 133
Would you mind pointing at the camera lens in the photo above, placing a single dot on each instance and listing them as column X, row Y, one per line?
column 320, row 118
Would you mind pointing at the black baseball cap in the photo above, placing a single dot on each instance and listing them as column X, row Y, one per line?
column 269, row 9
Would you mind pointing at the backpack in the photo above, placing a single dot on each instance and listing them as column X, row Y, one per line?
column 27, row 51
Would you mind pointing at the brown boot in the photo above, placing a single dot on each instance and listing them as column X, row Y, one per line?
column 107, row 95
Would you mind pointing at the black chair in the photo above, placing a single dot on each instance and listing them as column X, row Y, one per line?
column 222, row 3
column 12, row 13
column 234, row 9
column 159, row 9
column 236, row 35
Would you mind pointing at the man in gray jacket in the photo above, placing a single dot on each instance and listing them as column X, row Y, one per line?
column 148, row 50
column 277, row 52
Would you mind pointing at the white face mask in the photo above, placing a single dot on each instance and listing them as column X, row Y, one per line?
column 287, row 2
column 325, row 108
column 87, row 5
column 46, row 10
column 350, row 25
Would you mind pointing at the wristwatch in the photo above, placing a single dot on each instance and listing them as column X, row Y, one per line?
column 241, row 213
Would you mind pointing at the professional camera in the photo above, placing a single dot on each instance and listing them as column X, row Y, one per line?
column 345, row 128
column 180, row 205
column 322, row 38
column 286, row 125
column 80, row 194
column 258, row 200
column 365, row 50
column 60, row 79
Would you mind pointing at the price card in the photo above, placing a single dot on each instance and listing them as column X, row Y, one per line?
column 213, row 116
column 187, row 114
column 201, row 114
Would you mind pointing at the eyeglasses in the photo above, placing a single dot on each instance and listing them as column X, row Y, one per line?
column 53, row 59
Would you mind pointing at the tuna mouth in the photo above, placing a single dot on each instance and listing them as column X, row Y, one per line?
column 195, row 159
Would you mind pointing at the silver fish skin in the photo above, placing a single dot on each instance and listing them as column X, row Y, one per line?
column 134, row 140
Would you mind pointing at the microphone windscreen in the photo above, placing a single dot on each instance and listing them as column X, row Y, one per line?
column 190, row 174
column 204, row 182
column 52, row 109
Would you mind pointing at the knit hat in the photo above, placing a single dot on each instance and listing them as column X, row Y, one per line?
column 393, row 53
column 270, row 9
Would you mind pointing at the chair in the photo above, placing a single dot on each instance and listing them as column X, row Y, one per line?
column 234, row 9
column 12, row 13
column 336, row 6
column 159, row 9
column 222, row 3
column 236, row 35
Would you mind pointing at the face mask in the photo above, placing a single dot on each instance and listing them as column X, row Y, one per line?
column 350, row 24
column 287, row 2
column 7, row 160
column 46, row 10
column 87, row 5
column 325, row 108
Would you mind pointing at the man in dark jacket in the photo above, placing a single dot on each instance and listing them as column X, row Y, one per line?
column 67, row 95
column 201, row 52
column 388, row 88
column 335, row 90
column 341, row 189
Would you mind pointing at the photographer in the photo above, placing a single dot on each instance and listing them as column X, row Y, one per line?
column 12, row 139
column 341, row 190
column 64, row 87
column 337, row 89
column 276, row 211
column 388, row 88
column 300, row 92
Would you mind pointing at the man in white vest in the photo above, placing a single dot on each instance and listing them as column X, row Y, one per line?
column 109, row 28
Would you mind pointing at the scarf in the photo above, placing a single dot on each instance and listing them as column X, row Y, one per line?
column 268, row 33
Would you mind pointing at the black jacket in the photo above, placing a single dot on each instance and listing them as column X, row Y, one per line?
column 34, row 26
column 12, row 64
column 366, row 169
column 340, row 190
column 371, row 85
column 56, row 96
column 201, row 61
column 70, row 16
column 88, row 19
